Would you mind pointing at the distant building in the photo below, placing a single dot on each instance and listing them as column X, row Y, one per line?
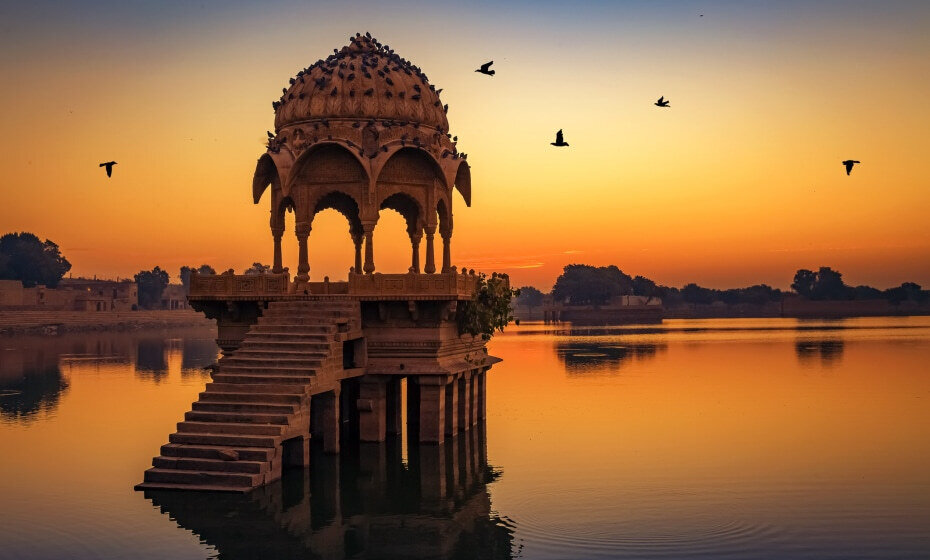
column 71, row 294
column 174, row 297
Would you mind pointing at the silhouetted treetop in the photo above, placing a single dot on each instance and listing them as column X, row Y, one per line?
column 25, row 258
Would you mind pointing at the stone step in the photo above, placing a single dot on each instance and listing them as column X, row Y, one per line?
column 250, row 359
column 251, row 397
column 237, row 417
column 249, row 352
column 240, row 378
column 176, row 476
column 279, row 388
column 159, row 486
column 232, row 428
column 240, row 369
column 286, row 346
column 286, row 336
column 216, row 465
column 263, row 327
column 214, row 451
column 228, row 440
column 245, row 407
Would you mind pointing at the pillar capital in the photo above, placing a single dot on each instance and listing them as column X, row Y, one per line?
column 430, row 229
column 302, row 229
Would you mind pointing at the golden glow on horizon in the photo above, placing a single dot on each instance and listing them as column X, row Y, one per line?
column 740, row 182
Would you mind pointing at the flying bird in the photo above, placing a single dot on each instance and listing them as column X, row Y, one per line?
column 848, row 163
column 558, row 139
column 485, row 68
column 662, row 102
column 109, row 165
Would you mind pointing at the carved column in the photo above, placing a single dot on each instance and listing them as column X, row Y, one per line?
column 369, row 247
column 415, row 257
column 357, row 238
column 430, row 259
column 303, row 260
column 372, row 408
column 432, row 408
column 277, row 233
column 446, row 251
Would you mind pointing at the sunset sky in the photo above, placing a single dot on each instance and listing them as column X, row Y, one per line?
column 738, row 183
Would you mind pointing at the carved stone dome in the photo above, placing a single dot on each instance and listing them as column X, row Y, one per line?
column 364, row 80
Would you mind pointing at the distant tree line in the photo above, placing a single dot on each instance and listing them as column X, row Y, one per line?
column 33, row 262
column 596, row 285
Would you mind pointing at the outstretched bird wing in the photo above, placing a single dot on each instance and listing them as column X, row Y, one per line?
column 661, row 99
column 486, row 66
column 558, row 137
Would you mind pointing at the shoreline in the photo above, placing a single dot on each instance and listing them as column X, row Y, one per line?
column 52, row 323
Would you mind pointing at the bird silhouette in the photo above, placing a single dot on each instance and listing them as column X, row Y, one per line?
column 662, row 102
column 848, row 163
column 109, row 165
column 558, row 139
column 485, row 68
column 270, row 135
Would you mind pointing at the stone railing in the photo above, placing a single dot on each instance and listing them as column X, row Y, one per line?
column 366, row 286
column 458, row 286
column 238, row 285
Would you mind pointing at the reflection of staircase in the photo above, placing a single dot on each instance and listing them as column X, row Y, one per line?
column 232, row 438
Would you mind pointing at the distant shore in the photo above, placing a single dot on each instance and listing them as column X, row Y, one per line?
column 18, row 322
column 794, row 308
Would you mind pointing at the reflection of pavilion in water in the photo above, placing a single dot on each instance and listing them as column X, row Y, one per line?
column 590, row 357
column 33, row 369
column 364, row 504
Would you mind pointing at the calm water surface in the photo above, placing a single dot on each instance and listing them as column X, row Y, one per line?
column 769, row 438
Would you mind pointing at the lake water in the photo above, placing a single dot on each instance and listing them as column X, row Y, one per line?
column 736, row 438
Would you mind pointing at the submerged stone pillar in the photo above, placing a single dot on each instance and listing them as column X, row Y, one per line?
column 463, row 392
column 329, row 417
column 430, row 267
column 432, row 408
column 357, row 239
column 278, row 266
column 452, row 406
column 482, row 394
column 369, row 247
column 303, row 260
column 393, row 413
column 372, row 405
column 473, row 398
column 446, row 252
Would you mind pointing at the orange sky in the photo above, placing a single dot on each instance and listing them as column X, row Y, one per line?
column 740, row 182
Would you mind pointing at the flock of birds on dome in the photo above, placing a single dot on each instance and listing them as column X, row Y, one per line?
column 328, row 67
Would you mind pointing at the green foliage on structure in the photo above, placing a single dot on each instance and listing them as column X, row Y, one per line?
column 26, row 258
column 489, row 309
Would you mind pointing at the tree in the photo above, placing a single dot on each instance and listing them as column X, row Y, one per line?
column 804, row 281
column 152, row 284
column 643, row 286
column 257, row 268
column 529, row 296
column 829, row 285
column 25, row 258
column 692, row 293
column 586, row 284
column 186, row 271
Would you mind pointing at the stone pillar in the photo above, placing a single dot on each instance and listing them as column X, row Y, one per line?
column 303, row 263
column 483, row 394
column 415, row 257
column 452, row 407
column 372, row 408
column 462, row 389
column 432, row 463
column 369, row 247
column 278, row 266
column 430, row 267
column 393, row 414
column 432, row 408
column 473, row 398
column 446, row 252
column 329, row 417
column 357, row 239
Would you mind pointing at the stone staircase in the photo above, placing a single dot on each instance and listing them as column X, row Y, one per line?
column 232, row 438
